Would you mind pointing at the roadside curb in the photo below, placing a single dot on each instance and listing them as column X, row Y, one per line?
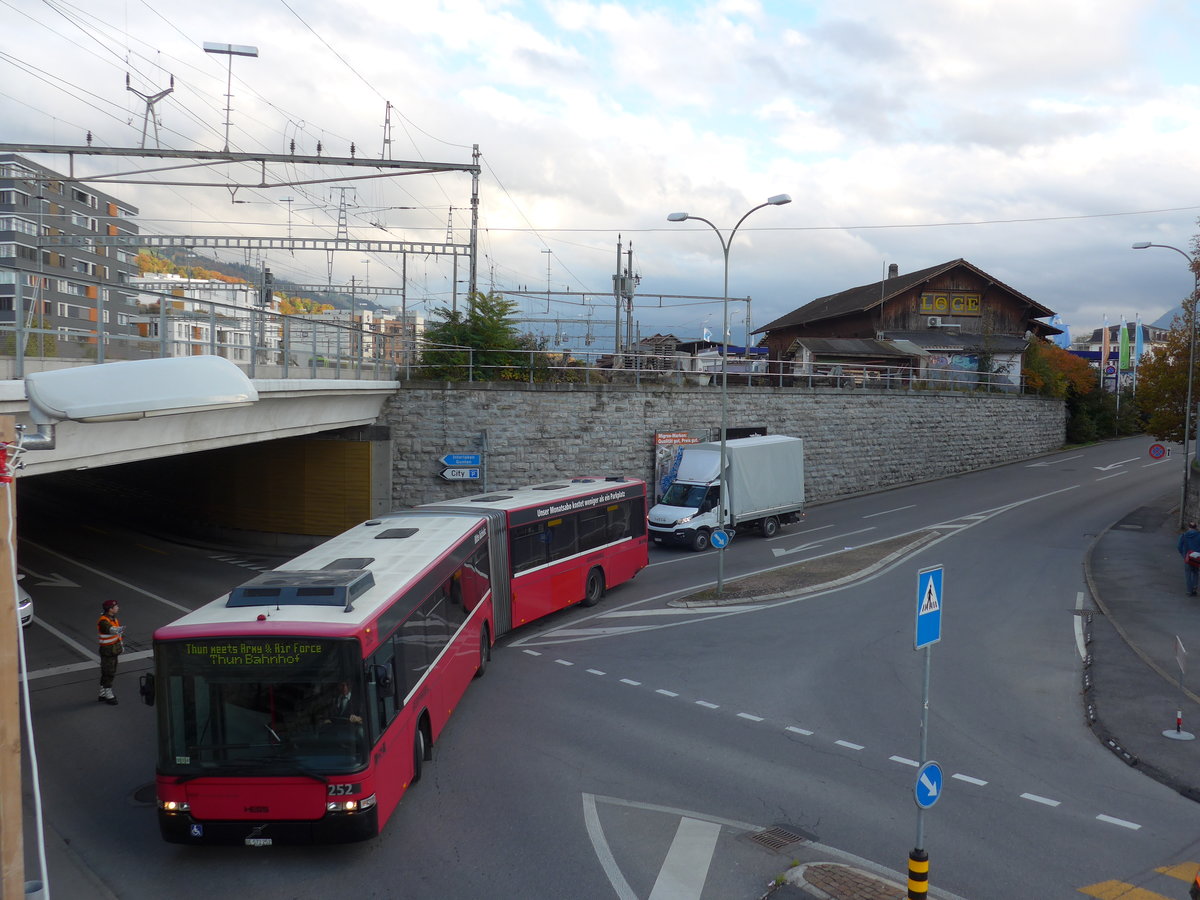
column 836, row 881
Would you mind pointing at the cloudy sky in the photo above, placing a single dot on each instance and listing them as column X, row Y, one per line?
column 1037, row 139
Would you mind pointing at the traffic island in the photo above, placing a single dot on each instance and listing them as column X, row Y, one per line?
column 819, row 574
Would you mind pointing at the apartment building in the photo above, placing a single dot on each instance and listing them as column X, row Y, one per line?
column 70, row 297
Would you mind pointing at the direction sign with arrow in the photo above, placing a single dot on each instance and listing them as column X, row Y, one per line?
column 928, row 786
column 460, row 474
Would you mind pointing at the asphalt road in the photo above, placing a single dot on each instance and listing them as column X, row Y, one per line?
column 635, row 749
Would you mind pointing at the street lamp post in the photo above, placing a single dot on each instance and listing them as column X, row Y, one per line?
column 1187, row 412
column 777, row 200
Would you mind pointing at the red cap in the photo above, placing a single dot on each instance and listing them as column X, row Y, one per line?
column 109, row 604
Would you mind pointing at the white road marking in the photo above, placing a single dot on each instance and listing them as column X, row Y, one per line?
column 833, row 537
column 794, row 730
column 564, row 662
column 1042, row 465
column 664, row 611
column 113, row 579
column 685, row 869
column 849, row 745
column 631, row 681
column 1113, row 475
column 969, row 780
column 750, row 717
column 596, row 672
column 532, row 652
column 84, row 666
column 592, row 819
column 666, row 693
column 87, row 653
column 708, row 705
column 1044, row 800
column 889, row 511
column 903, row 760
column 1132, row 826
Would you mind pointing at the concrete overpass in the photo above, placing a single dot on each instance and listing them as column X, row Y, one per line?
column 305, row 458
column 285, row 408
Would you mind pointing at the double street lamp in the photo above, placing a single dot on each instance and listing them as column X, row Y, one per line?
column 1194, row 265
column 777, row 200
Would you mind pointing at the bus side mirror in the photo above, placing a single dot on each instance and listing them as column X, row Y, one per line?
column 383, row 678
column 146, row 688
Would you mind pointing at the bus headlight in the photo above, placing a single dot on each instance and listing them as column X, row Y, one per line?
column 350, row 806
column 174, row 806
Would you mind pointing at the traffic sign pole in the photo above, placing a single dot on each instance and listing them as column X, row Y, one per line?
column 928, row 788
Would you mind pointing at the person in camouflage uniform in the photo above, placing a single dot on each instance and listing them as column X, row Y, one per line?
column 112, row 642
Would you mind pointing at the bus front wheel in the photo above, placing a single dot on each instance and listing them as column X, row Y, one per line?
column 594, row 589
column 419, row 753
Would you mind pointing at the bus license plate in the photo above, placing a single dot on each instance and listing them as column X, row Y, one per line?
column 258, row 842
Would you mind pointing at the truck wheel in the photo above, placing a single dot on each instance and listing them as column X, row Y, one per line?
column 700, row 541
column 594, row 589
column 770, row 527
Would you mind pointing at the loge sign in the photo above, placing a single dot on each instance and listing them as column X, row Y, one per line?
column 950, row 303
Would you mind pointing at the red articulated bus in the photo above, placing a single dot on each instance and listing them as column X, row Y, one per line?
column 299, row 707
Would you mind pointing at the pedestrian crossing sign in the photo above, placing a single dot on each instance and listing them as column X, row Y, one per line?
column 929, row 606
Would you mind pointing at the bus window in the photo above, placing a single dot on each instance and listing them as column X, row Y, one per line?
column 456, row 611
column 529, row 547
column 412, row 657
column 593, row 526
column 560, row 537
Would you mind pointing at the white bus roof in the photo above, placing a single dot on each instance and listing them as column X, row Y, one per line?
column 538, row 494
column 395, row 563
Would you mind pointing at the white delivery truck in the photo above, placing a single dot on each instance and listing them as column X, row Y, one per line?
column 765, row 481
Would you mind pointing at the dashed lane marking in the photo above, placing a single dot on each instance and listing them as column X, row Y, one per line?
column 969, row 780
column 849, row 745
column 1043, row 800
column 1132, row 826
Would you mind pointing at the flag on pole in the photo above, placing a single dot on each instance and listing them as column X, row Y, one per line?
column 1062, row 340
column 1104, row 349
column 707, row 334
column 1123, row 343
column 1138, row 347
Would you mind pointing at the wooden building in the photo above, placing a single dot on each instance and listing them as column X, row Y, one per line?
column 951, row 317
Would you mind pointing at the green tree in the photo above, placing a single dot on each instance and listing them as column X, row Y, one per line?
column 482, row 339
column 1163, row 380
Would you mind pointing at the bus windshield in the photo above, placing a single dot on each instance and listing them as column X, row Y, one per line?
column 251, row 706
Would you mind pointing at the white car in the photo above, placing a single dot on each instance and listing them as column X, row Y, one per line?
column 24, row 604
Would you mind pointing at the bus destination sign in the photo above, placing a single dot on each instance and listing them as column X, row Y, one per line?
column 242, row 652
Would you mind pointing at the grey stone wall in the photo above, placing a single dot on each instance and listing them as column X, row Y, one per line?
column 855, row 440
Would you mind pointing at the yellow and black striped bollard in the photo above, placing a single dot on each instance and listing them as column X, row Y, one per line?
column 918, row 875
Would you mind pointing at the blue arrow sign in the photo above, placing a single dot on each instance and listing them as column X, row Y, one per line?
column 928, row 786
column 462, row 459
column 719, row 538
column 929, row 606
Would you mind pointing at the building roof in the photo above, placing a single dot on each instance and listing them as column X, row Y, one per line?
column 936, row 339
column 868, row 296
column 848, row 347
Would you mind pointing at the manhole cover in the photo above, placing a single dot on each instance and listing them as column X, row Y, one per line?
column 777, row 838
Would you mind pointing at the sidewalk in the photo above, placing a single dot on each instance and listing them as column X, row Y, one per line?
column 1132, row 687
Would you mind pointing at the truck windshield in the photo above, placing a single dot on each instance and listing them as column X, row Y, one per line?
column 692, row 496
column 241, row 705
